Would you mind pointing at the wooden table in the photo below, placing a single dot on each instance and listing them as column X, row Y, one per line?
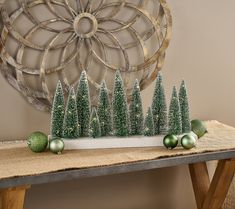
column 218, row 144
column 208, row 195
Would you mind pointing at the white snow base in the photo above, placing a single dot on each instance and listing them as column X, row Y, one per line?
column 112, row 142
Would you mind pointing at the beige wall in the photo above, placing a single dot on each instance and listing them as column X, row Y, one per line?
column 201, row 52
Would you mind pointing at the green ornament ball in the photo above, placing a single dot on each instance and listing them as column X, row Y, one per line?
column 188, row 141
column 170, row 141
column 37, row 141
column 57, row 146
column 198, row 127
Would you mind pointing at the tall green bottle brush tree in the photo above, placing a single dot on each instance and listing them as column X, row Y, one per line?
column 83, row 104
column 57, row 113
column 184, row 108
column 104, row 111
column 175, row 124
column 71, row 126
column 136, row 111
column 120, row 108
column 159, row 107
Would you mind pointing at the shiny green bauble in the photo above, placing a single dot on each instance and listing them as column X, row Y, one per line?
column 188, row 141
column 37, row 141
column 170, row 141
column 198, row 128
column 57, row 146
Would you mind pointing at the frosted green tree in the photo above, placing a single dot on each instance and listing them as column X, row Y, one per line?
column 149, row 123
column 175, row 124
column 184, row 107
column 83, row 104
column 136, row 111
column 120, row 109
column 95, row 130
column 71, row 125
column 159, row 107
column 57, row 113
column 104, row 111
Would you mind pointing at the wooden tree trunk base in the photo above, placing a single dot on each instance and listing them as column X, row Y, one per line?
column 13, row 198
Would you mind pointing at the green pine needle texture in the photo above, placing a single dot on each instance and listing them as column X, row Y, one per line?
column 175, row 124
column 184, row 108
column 120, row 109
column 149, row 123
column 83, row 105
column 104, row 111
column 136, row 111
column 159, row 108
column 94, row 130
column 70, row 125
column 57, row 113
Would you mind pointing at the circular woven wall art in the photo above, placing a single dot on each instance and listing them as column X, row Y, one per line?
column 46, row 40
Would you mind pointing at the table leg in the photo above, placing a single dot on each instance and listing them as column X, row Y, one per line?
column 212, row 196
column 200, row 180
column 13, row 198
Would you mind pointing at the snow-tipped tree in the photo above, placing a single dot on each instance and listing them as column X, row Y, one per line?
column 136, row 111
column 83, row 104
column 148, row 123
column 159, row 107
column 120, row 108
column 57, row 113
column 175, row 124
column 95, row 130
column 184, row 107
column 104, row 111
column 71, row 126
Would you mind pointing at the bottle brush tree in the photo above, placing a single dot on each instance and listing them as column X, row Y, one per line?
column 175, row 124
column 136, row 111
column 184, row 107
column 95, row 130
column 71, row 126
column 120, row 108
column 149, row 123
column 83, row 104
column 104, row 111
column 57, row 113
column 159, row 107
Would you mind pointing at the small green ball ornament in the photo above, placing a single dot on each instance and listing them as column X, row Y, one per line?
column 37, row 141
column 198, row 128
column 188, row 141
column 170, row 141
column 57, row 146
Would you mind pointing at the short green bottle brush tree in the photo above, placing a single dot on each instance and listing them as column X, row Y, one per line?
column 136, row 111
column 184, row 107
column 57, row 113
column 95, row 130
column 83, row 104
column 175, row 124
column 159, row 107
column 149, row 123
column 104, row 111
column 120, row 108
column 71, row 126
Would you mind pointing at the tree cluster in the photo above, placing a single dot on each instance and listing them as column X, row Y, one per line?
column 118, row 118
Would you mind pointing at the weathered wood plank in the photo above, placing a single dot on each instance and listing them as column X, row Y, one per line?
column 200, row 180
column 13, row 198
column 220, row 184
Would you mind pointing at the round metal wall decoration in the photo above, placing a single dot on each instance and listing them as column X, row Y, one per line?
column 46, row 40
